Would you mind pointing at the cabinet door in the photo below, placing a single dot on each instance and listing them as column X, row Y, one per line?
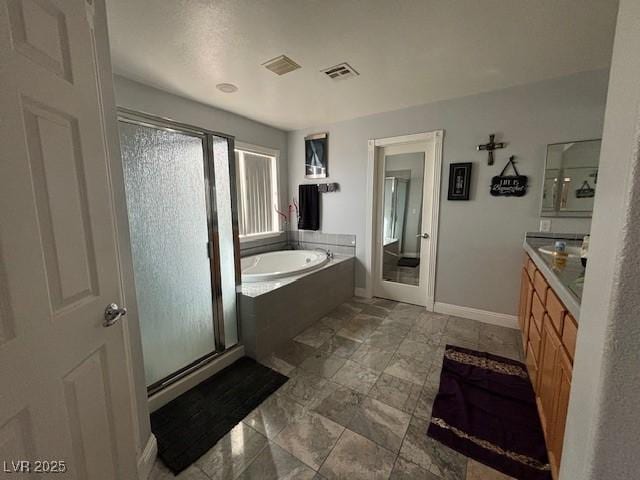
column 562, row 387
column 550, row 350
column 524, row 311
column 523, row 299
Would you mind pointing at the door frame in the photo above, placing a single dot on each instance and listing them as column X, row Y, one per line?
column 434, row 137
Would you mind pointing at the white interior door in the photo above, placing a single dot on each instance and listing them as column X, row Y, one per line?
column 407, row 176
column 65, row 387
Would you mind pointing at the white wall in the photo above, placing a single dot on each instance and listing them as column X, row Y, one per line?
column 144, row 98
column 603, row 428
column 480, row 240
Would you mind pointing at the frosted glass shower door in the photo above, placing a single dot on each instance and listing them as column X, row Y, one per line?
column 168, row 219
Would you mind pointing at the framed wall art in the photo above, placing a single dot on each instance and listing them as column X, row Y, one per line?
column 459, row 181
column 315, row 155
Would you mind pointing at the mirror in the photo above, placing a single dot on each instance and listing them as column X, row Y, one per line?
column 402, row 217
column 570, row 179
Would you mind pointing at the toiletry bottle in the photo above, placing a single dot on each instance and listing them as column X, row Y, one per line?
column 560, row 253
column 584, row 250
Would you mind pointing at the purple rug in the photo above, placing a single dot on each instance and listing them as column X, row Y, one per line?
column 486, row 410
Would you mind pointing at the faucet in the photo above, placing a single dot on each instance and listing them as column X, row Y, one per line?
column 329, row 253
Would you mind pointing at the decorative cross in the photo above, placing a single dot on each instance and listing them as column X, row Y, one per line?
column 491, row 146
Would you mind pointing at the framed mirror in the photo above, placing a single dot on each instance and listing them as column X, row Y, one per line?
column 570, row 179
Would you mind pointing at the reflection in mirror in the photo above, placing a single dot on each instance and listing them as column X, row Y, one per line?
column 402, row 217
column 570, row 178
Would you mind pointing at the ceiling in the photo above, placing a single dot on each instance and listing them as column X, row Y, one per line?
column 408, row 52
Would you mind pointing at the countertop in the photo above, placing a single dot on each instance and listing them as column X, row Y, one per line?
column 567, row 281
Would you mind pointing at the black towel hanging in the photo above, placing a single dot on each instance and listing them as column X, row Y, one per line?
column 309, row 214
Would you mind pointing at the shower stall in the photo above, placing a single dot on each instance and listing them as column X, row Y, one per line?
column 179, row 185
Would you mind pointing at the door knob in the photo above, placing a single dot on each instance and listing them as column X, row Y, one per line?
column 423, row 235
column 112, row 314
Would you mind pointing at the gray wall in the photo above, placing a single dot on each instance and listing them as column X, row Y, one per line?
column 144, row 98
column 480, row 241
column 601, row 440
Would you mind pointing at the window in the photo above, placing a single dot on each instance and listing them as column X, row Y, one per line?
column 257, row 187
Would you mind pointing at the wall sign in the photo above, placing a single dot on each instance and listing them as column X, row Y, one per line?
column 459, row 181
column 509, row 185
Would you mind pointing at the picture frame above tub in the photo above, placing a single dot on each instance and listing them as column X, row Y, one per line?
column 459, row 181
column 316, row 148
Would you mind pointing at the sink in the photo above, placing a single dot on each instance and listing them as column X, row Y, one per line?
column 573, row 252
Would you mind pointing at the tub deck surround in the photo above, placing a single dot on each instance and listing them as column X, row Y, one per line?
column 342, row 244
column 255, row 289
column 267, row 243
column 280, row 264
column 566, row 281
column 274, row 312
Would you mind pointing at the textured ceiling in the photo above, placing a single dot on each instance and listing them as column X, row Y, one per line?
column 408, row 52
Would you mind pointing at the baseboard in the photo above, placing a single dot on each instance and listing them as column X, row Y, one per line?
column 361, row 292
column 147, row 458
column 485, row 316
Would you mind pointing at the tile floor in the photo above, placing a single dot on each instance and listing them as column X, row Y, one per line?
column 406, row 275
column 358, row 401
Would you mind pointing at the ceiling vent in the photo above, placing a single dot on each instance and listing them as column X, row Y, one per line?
column 281, row 65
column 340, row 72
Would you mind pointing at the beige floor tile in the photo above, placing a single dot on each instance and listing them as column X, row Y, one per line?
column 479, row 471
column 275, row 413
column 404, row 470
column 310, row 438
column 396, row 392
column 232, row 453
column 357, row 458
column 274, row 463
column 373, row 357
column 380, row 423
column 322, row 364
column 355, row 376
column 160, row 472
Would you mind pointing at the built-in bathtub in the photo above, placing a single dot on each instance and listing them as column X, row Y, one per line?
column 281, row 264
column 276, row 307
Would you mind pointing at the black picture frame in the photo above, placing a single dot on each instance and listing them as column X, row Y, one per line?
column 316, row 156
column 459, row 181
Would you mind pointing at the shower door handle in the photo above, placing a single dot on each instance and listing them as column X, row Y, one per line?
column 112, row 314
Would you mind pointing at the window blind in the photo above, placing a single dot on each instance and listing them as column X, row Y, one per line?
column 257, row 194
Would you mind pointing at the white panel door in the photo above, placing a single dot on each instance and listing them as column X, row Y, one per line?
column 65, row 387
column 407, row 176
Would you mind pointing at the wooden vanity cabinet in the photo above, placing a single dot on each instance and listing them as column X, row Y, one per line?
column 525, row 306
column 550, row 348
column 549, row 338
column 562, row 388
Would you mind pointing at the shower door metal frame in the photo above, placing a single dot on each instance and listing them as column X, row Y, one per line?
column 213, row 248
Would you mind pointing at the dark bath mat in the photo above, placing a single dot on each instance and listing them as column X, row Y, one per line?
column 188, row 426
column 486, row 410
column 408, row 262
